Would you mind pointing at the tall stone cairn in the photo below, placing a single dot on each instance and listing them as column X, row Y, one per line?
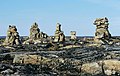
column 102, row 34
column 35, row 35
column 59, row 35
column 12, row 37
column 34, row 31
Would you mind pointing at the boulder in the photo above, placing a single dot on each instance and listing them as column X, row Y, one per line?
column 30, row 59
column 111, row 66
column 91, row 68
column 27, row 59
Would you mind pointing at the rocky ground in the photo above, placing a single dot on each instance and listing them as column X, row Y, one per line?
column 77, row 59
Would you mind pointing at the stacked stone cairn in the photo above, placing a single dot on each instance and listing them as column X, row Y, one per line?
column 35, row 35
column 12, row 37
column 34, row 31
column 73, row 35
column 59, row 35
column 102, row 34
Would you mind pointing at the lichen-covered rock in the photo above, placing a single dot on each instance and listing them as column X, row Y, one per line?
column 91, row 68
column 105, row 67
column 111, row 66
column 32, row 59
column 27, row 59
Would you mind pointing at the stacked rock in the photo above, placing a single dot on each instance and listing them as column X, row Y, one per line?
column 73, row 35
column 102, row 34
column 35, row 35
column 59, row 35
column 34, row 31
column 12, row 37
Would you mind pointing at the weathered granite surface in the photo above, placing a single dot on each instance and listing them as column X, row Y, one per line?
column 81, row 59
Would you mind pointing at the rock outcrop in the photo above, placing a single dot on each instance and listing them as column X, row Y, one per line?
column 92, row 68
column 105, row 67
column 102, row 67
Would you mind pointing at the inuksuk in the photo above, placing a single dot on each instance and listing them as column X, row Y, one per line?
column 34, row 31
column 35, row 35
column 102, row 34
column 73, row 35
column 12, row 37
column 59, row 35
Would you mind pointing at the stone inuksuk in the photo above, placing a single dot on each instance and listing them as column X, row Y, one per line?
column 34, row 31
column 73, row 35
column 59, row 35
column 35, row 35
column 102, row 34
column 12, row 37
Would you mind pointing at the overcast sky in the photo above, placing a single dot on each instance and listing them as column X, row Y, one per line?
column 73, row 15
